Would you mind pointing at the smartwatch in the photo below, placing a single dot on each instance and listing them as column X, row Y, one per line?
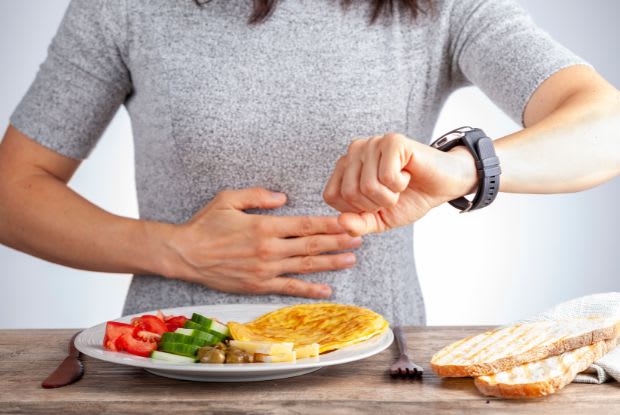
column 487, row 165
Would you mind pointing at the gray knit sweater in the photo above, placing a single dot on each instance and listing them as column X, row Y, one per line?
column 215, row 104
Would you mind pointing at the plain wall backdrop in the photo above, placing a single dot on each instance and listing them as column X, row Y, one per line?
column 521, row 255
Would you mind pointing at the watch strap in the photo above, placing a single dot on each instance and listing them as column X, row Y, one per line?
column 487, row 168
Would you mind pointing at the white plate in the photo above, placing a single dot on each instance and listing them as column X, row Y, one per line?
column 90, row 343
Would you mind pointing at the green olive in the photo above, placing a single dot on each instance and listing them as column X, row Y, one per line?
column 234, row 358
column 221, row 346
column 235, row 355
column 212, row 356
column 203, row 351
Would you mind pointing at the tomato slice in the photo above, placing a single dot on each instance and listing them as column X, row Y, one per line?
column 135, row 346
column 150, row 323
column 113, row 331
column 144, row 335
column 175, row 322
column 161, row 316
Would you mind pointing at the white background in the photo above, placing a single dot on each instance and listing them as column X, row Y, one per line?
column 519, row 256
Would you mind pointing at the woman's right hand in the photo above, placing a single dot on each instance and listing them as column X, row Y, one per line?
column 229, row 250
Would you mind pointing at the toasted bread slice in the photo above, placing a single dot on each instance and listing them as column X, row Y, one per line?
column 504, row 348
column 544, row 377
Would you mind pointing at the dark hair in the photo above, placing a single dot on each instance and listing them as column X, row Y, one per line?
column 263, row 8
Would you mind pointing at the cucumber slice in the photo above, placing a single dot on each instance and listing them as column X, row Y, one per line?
column 182, row 338
column 171, row 358
column 189, row 324
column 210, row 339
column 211, row 325
column 181, row 349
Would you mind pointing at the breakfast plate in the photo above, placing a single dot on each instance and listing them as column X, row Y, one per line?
column 90, row 343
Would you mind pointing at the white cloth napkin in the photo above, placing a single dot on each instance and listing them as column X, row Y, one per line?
column 606, row 368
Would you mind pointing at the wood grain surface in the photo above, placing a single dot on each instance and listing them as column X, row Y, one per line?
column 28, row 356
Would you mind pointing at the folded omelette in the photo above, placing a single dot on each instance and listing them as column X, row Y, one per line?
column 332, row 326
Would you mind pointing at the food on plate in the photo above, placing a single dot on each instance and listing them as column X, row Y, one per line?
column 288, row 357
column 210, row 325
column 171, row 358
column 113, row 331
column 332, row 326
column 212, row 355
column 142, row 335
column 504, row 348
column 543, row 377
column 262, row 347
column 309, row 350
column 285, row 335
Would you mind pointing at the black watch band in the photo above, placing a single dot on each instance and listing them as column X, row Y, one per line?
column 487, row 165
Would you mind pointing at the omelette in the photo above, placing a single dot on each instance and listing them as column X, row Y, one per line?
column 332, row 326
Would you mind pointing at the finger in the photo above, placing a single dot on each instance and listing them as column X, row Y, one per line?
column 350, row 188
column 391, row 164
column 331, row 194
column 316, row 263
column 370, row 186
column 250, row 198
column 358, row 224
column 287, row 226
column 295, row 287
column 315, row 245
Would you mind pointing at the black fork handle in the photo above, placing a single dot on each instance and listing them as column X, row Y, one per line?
column 401, row 341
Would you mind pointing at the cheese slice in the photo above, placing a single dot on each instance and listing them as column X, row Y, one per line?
column 309, row 350
column 267, row 348
column 288, row 357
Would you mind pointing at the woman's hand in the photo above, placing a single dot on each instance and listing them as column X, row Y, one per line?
column 390, row 181
column 229, row 250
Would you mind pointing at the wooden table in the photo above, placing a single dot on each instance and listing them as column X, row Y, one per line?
column 28, row 356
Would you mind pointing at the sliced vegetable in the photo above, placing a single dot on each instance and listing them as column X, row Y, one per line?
column 182, row 338
column 211, row 325
column 175, row 322
column 113, row 331
column 160, row 315
column 135, row 346
column 209, row 338
column 150, row 323
column 147, row 336
column 179, row 348
column 171, row 358
column 189, row 324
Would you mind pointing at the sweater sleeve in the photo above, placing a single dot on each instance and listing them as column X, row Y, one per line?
column 81, row 83
column 495, row 45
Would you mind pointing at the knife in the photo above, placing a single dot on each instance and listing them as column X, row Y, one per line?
column 69, row 371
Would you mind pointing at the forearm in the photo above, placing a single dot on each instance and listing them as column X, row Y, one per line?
column 575, row 147
column 42, row 216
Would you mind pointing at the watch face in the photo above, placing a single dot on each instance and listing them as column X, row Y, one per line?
column 451, row 139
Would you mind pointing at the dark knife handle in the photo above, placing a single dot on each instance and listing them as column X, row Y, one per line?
column 401, row 341
column 69, row 371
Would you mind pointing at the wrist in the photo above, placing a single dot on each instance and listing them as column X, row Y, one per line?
column 161, row 257
column 466, row 174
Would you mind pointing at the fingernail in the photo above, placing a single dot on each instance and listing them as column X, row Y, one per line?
column 356, row 241
column 277, row 195
column 349, row 259
column 325, row 291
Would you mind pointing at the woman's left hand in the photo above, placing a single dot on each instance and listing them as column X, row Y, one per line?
column 389, row 181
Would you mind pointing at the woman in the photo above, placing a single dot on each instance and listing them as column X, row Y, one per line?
column 237, row 127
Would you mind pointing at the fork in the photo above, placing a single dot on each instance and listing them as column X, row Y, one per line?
column 404, row 367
